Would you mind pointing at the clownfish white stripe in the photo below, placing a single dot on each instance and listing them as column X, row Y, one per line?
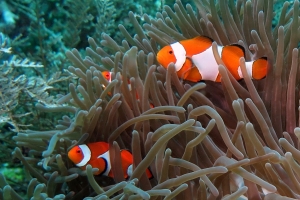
column 86, row 152
column 109, row 80
column 129, row 170
column 240, row 72
column 249, row 66
column 207, row 64
column 106, row 157
column 180, row 55
column 220, row 49
column 129, row 86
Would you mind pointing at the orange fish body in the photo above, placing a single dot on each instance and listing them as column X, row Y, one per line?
column 97, row 155
column 194, row 60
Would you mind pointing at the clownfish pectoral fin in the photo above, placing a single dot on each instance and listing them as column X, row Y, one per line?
column 192, row 73
column 188, row 65
column 184, row 72
column 259, row 68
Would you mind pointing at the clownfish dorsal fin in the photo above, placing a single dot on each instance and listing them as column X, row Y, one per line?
column 236, row 49
column 202, row 38
column 196, row 45
column 98, row 148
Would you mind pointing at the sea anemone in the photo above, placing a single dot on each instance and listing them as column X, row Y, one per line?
column 201, row 141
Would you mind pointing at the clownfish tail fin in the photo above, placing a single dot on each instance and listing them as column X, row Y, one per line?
column 260, row 68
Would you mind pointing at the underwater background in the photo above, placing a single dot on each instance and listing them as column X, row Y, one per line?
column 52, row 98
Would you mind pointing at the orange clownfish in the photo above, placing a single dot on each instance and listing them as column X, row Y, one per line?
column 194, row 60
column 107, row 76
column 97, row 155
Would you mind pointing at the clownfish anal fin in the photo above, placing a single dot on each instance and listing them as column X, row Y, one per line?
column 204, row 38
column 259, row 68
column 218, row 79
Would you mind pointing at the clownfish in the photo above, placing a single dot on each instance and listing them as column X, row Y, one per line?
column 97, row 155
column 107, row 76
column 194, row 60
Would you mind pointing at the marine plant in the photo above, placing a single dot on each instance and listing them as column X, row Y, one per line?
column 201, row 141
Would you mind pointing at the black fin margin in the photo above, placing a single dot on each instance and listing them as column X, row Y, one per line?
column 264, row 57
column 212, row 40
column 105, row 168
column 240, row 46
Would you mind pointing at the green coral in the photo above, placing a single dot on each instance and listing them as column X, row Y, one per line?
column 14, row 174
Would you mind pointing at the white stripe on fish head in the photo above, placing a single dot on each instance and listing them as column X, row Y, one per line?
column 86, row 152
column 180, row 55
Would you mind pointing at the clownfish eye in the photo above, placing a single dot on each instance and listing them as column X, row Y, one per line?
column 78, row 151
column 170, row 52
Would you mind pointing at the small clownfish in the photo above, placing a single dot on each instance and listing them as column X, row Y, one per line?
column 194, row 60
column 107, row 76
column 97, row 155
